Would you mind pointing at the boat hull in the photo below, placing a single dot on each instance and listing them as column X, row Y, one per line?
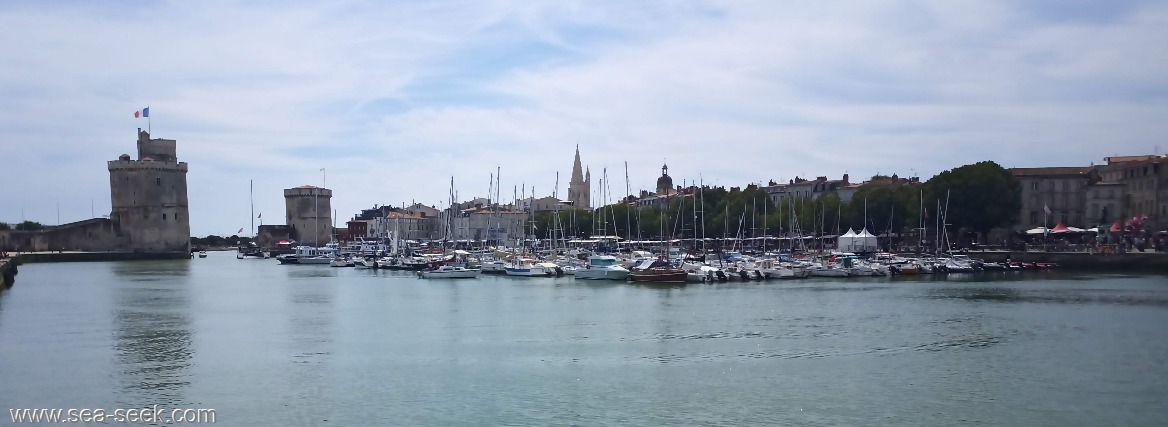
column 601, row 274
column 461, row 273
column 659, row 275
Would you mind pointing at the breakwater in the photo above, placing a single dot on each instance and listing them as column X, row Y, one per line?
column 1150, row 262
column 8, row 266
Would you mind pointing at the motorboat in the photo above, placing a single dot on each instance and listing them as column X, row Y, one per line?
column 659, row 271
column 308, row 255
column 449, row 272
column 494, row 267
column 530, row 267
column 342, row 261
column 202, row 254
column 602, row 267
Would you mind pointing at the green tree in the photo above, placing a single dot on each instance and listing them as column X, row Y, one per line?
column 30, row 226
column 979, row 196
column 888, row 209
column 5, row 226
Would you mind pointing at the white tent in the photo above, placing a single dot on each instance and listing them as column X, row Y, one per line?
column 864, row 242
column 846, row 241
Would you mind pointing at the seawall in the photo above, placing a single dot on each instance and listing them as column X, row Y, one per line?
column 8, row 266
column 7, row 273
column 1147, row 262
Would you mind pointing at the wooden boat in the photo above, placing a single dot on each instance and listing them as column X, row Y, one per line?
column 658, row 271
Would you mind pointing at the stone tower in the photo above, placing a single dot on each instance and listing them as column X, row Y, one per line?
column 580, row 187
column 309, row 213
column 149, row 198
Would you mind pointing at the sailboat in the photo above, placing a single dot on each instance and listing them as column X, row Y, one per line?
column 456, row 267
column 659, row 270
column 251, row 249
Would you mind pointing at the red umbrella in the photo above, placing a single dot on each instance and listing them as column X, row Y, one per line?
column 1116, row 228
column 1060, row 228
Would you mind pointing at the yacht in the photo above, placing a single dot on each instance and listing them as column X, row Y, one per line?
column 659, row 271
column 449, row 272
column 602, row 267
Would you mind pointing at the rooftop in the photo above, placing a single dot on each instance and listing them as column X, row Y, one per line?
column 1052, row 171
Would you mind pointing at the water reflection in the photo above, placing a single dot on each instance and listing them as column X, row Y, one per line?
column 310, row 331
column 1051, row 295
column 153, row 333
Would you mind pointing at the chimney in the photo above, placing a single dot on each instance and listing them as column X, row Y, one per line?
column 845, row 178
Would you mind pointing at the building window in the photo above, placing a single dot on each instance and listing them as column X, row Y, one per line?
column 158, row 181
column 164, row 217
column 1033, row 217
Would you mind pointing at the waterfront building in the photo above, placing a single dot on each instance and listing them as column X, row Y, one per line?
column 1059, row 190
column 812, row 189
column 776, row 192
column 1145, row 186
column 1104, row 202
column 356, row 228
column 543, row 204
column 580, row 187
column 489, row 224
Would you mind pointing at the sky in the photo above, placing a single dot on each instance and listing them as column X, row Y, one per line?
column 394, row 99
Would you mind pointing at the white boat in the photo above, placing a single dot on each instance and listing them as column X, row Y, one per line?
column 202, row 254
column 820, row 270
column 308, row 255
column 602, row 267
column 367, row 262
column 449, row 272
column 495, row 267
column 637, row 257
column 528, row 267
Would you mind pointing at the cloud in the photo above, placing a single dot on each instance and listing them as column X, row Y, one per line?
column 394, row 99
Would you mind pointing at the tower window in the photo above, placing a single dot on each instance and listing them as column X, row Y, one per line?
column 158, row 181
column 164, row 217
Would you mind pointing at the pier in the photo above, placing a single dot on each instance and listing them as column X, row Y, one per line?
column 10, row 262
column 1145, row 262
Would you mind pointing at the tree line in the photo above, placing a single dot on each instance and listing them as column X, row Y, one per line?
column 22, row 226
column 976, row 197
column 220, row 241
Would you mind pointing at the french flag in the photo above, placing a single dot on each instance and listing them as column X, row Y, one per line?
column 145, row 112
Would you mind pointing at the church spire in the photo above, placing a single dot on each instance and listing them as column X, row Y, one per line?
column 577, row 173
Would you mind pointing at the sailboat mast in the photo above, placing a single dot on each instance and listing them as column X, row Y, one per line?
column 764, row 225
column 251, row 191
column 628, row 214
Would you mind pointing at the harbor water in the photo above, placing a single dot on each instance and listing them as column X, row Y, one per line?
column 266, row 344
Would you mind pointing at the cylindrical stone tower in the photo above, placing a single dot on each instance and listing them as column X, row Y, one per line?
column 149, row 198
column 309, row 213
